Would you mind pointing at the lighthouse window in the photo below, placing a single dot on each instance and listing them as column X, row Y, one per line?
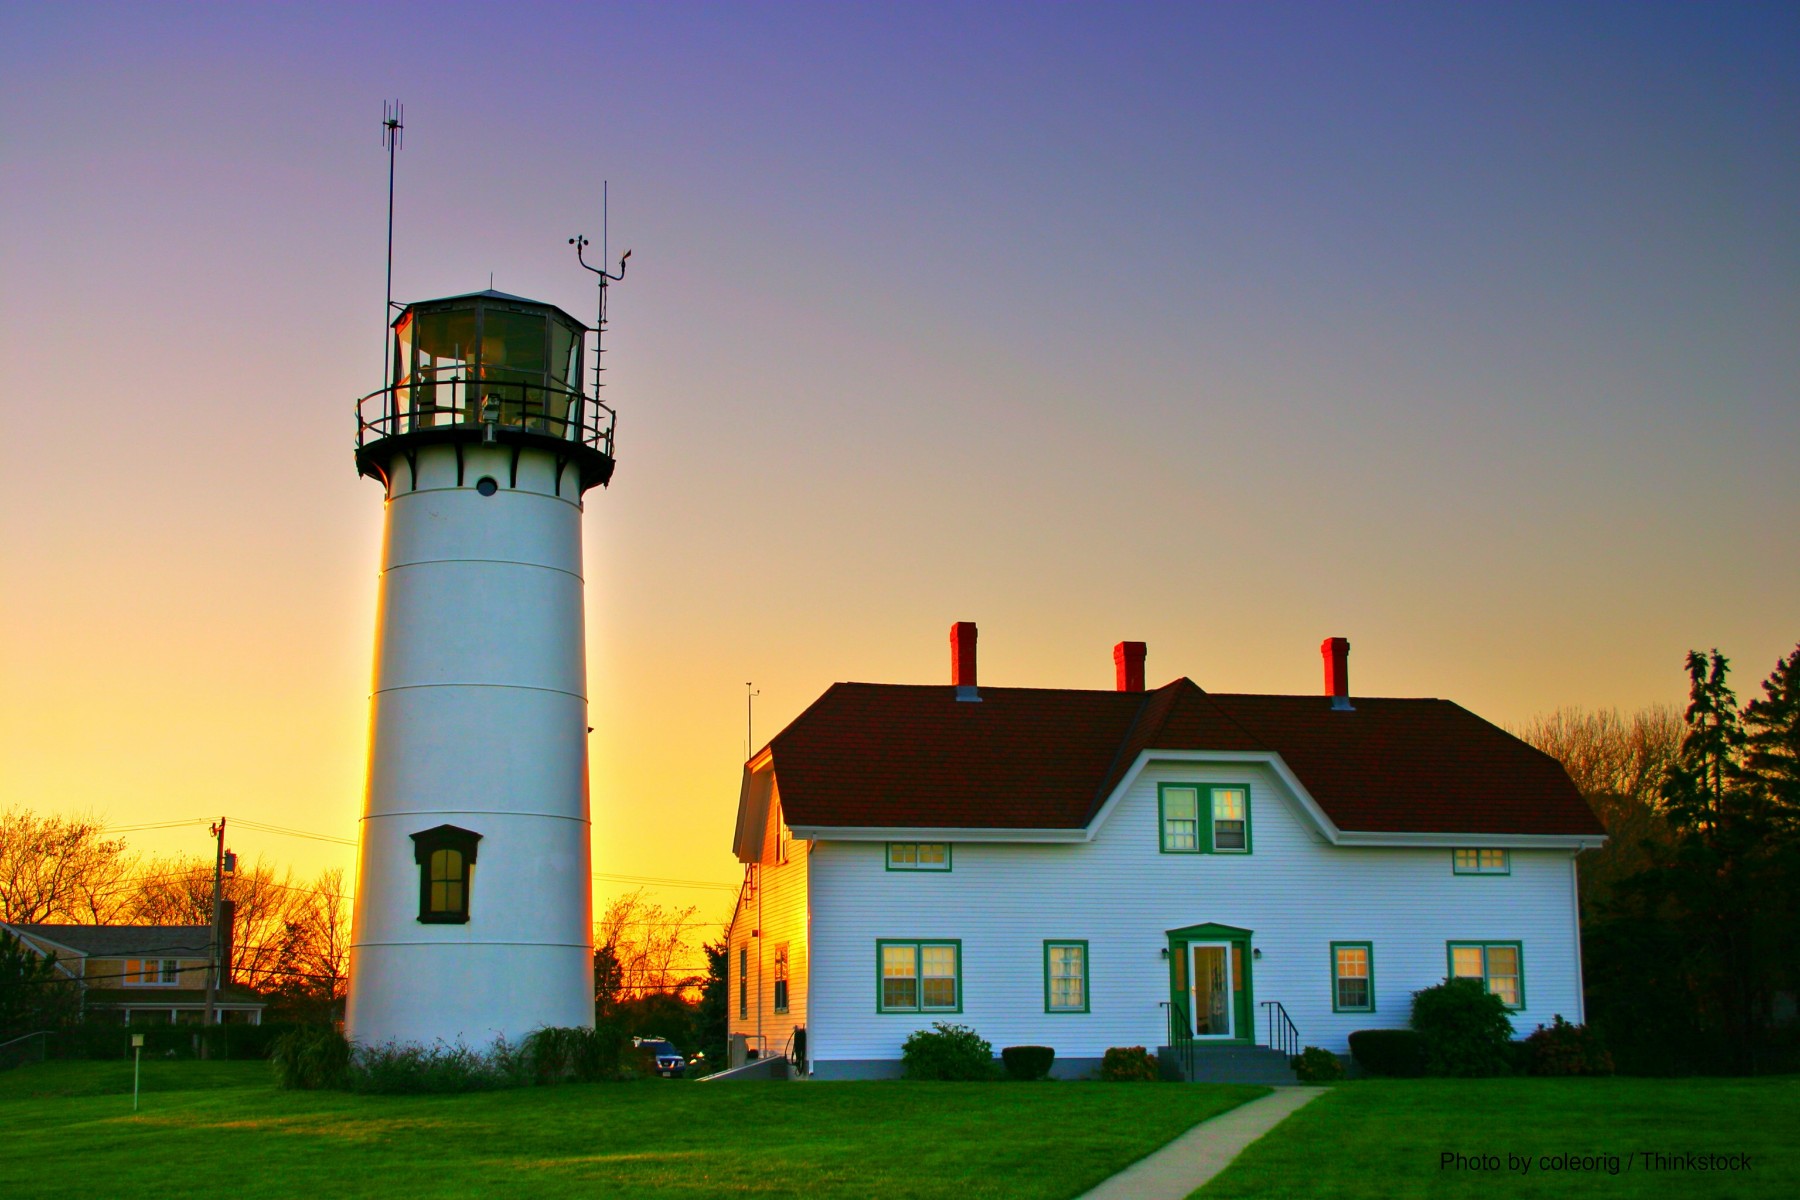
column 486, row 485
column 446, row 858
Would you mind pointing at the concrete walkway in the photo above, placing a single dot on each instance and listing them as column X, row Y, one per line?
column 1203, row 1151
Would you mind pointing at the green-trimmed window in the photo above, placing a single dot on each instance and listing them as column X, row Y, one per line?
column 1484, row 861
column 1065, row 977
column 919, row 976
column 1352, row 977
column 1180, row 806
column 1499, row 965
column 918, row 856
column 781, row 978
column 1203, row 818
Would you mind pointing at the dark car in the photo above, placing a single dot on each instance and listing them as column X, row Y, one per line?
column 661, row 1056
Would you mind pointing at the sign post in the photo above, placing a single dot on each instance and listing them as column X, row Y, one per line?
column 137, row 1062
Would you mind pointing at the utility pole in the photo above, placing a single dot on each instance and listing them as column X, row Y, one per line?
column 212, row 971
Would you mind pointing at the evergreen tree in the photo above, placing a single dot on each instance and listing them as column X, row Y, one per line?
column 1772, row 751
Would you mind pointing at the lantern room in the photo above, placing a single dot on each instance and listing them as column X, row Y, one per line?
column 486, row 367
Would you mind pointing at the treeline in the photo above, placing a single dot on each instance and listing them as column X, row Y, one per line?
column 1690, row 914
column 290, row 939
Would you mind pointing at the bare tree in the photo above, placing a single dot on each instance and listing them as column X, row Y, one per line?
column 641, row 948
column 315, row 962
column 60, row 869
column 1619, row 764
column 178, row 891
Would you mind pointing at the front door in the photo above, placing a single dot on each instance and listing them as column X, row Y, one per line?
column 1211, row 992
column 1209, row 982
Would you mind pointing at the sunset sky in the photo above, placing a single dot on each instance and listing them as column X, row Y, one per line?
column 1469, row 332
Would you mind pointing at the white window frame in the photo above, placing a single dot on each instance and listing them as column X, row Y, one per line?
column 167, row 970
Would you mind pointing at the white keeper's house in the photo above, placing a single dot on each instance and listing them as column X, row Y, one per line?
column 1176, row 868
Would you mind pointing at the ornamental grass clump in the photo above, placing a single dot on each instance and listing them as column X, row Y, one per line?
column 310, row 1058
column 1027, row 1063
column 1464, row 1028
column 947, row 1052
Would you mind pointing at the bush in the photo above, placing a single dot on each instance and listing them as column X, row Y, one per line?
column 397, row 1068
column 1316, row 1065
column 1027, row 1063
column 309, row 1058
column 1395, row 1052
column 944, row 1051
column 1565, row 1049
column 1129, row 1064
column 1464, row 1027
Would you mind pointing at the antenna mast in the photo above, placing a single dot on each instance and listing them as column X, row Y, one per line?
column 391, row 118
column 579, row 241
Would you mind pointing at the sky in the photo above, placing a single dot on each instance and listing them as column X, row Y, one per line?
column 1468, row 332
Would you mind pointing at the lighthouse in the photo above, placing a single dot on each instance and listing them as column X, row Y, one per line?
column 473, row 905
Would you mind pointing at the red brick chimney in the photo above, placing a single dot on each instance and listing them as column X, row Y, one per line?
column 962, row 660
column 1336, row 653
column 1128, row 666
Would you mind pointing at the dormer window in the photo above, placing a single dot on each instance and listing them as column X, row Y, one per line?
column 446, row 858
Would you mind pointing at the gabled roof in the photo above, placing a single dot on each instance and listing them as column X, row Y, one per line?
column 905, row 756
column 127, row 941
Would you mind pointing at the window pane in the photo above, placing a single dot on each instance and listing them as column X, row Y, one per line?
column 1503, row 973
column 903, row 853
column 1353, row 962
column 1465, row 860
column 1067, row 976
column 938, row 967
column 931, row 854
column 1465, row 962
column 1228, row 804
column 1492, row 860
column 899, row 993
column 1228, row 835
column 1182, row 835
column 1353, row 993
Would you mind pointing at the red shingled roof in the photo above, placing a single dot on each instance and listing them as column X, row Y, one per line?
column 1040, row 758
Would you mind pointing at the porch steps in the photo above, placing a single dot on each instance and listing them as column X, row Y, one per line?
column 1233, row 1064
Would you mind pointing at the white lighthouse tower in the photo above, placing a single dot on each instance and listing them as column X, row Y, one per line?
column 473, row 904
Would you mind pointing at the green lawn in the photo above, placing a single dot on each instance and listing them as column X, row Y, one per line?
column 221, row 1129
column 1385, row 1138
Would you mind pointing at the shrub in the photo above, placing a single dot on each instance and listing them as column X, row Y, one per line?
column 947, row 1052
column 1129, row 1064
column 1027, row 1063
column 397, row 1068
column 1464, row 1028
column 1316, row 1065
column 310, row 1057
column 1396, row 1052
column 1564, row 1049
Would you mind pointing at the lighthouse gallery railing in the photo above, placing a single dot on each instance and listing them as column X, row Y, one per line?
column 445, row 404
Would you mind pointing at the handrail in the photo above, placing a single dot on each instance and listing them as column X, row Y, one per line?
column 1284, row 1037
column 413, row 406
column 1180, row 1035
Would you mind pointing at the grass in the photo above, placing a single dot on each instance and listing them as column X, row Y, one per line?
column 1384, row 1138
column 223, row 1129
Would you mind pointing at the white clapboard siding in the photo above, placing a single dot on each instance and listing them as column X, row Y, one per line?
column 1295, row 891
column 771, row 914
